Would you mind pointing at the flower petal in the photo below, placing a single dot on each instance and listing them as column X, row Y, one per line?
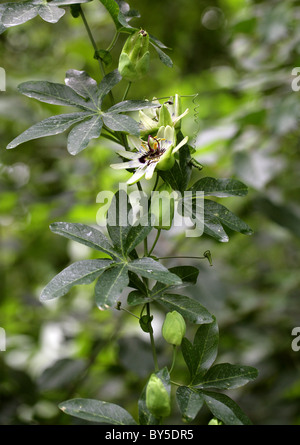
column 131, row 164
column 128, row 154
column 150, row 170
column 137, row 175
column 183, row 142
column 180, row 117
column 135, row 141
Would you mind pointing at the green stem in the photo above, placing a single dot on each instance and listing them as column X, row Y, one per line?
column 155, row 241
column 156, row 367
column 174, row 358
column 93, row 42
column 114, row 41
column 126, row 91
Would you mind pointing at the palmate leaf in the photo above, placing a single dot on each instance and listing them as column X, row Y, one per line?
column 225, row 409
column 189, row 308
column 149, row 268
column 83, row 92
column 48, row 127
column 97, row 411
column 220, row 187
column 225, row 376
column 86, row 235
column 189, row 401
column 81, row 272
column 110, row 286
column 201, row 354
column 17, row 13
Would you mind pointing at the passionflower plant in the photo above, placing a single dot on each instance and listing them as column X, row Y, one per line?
column 158, row 152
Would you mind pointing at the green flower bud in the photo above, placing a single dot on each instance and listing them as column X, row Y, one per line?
column 174, row 327
column 165, row 117
column 134, row 58
column 157, row 397
column 162, row 207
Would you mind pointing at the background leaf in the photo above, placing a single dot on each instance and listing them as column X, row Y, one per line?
column 97, row 411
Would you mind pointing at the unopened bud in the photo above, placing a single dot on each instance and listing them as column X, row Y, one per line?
column 174, row 327
column 135, row 56
column 157, row 397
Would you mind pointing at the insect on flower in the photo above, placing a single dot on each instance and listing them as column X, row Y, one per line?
column 156, row 152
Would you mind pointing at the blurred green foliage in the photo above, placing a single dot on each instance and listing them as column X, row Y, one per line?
column 238, row 57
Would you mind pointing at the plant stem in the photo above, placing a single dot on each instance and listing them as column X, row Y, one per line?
column 156, row 367
column 114, row 41
column 93, row 42
column 174, row 358
column 155, row 242
column 126, row 91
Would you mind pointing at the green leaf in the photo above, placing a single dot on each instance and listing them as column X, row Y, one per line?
column 85, row 235
column 213, row 210
column 132, row 105
column 188, row 275
column 48, row 127
column 173, row 177
column 225, row 409
column 189, row 402
column 166, row 60
column 200, row 355
column 17, row 13
column 189, row 308
column 106, row 85
column 121, row 122
column 135, row 298
column 138, row 233
column 113, row 9
column 220, row 187
column 81, row 272
column 225, row 376
column 149, row 268
column 117, row 220
column 80, row 136
column 136, row 283
column 97, row 411
column 53, row 93
column 110, row 286
column 50, row 13
column 82, row 84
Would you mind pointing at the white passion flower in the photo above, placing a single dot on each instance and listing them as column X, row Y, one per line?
column 158, row 152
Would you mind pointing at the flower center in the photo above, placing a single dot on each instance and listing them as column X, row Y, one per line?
column 154, row 151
